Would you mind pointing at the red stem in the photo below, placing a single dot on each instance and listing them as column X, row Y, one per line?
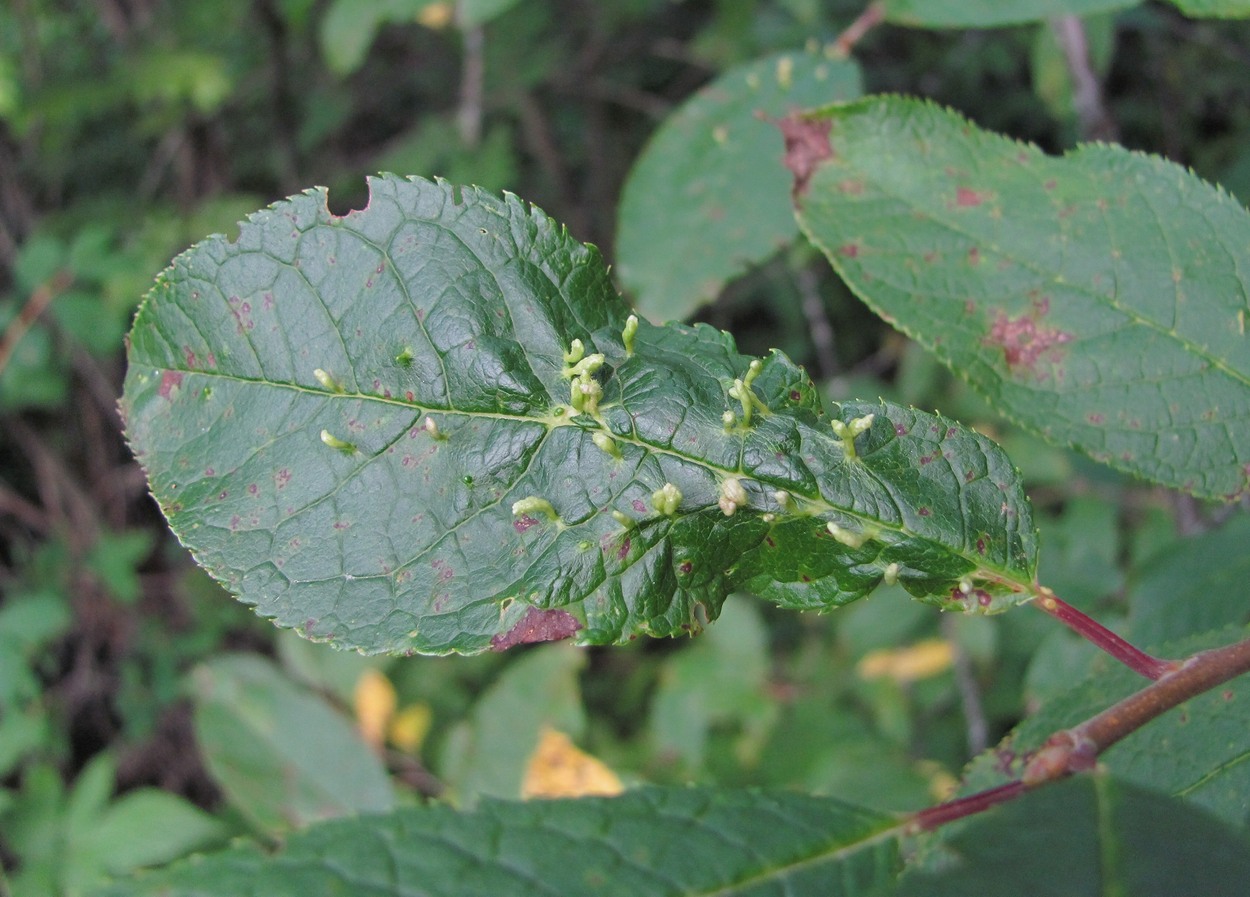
column 1101, row 637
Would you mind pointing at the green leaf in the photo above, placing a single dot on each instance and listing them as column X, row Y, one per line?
column 721, row 678
column 1100, row 299
column 1090, row 836
column 349, row 27
column 652, row 841
column 1192, row 586
column 281, row 754
column 471, row 13
column 146, row 827
column 364, row 426
column 1224, row 9
column 488, row 754
column 1197, row 751
column 705, row 201
column 991, row 13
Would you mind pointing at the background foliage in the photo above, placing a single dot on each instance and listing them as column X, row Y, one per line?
column 142, row 712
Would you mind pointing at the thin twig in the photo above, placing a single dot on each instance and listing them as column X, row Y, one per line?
column 869, row 19
column 978, row 730
column 40, row 298
column 472, row 80
column 1092, row 117
column 1103, row 638
column 1077, row 749
column 817, row 322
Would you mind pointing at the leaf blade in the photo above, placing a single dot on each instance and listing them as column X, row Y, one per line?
column 1013, row 267
column 650, row 841
column 366, row 427
column 704, row 201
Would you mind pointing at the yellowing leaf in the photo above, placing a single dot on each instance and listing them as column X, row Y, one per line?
column 410, row 726
column 436, row 16
column 558, row 768
column 375, row 705
column 919, row 661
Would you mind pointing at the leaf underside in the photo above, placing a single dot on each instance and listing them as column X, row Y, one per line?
column 1100, row 299
column 339, row 415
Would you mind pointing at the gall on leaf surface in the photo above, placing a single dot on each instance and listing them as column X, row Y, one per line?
column 1100, row 299
column 369, row 428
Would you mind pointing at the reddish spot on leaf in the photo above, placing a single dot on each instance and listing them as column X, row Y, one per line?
column 850, row 250
column 974, row 256
column 1025, row 341
column 639, row 506
column 807, row 145
column 170, row 380
column 851, row 187
column 685, row 567
column 900, row 430
column 980, row 546
column 795, row 395
column 537, row 626
column 522, row 523
column 1095, row 418
column 623, row 551
column 924, row 512
column 965, row 197
column 772, row 543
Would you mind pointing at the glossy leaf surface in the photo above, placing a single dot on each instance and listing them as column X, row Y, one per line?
column 366, row 427
column 1100, row 299
column 653, row 841
column 706, row 199
column 1090, row 836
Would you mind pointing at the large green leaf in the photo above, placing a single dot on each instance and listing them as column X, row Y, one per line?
column 364, row 426
column 1091, row 836
column 706, row 199
column 654, row 841
column 280, row 753
column 990, row 13
column 1100, row 299
column 1192, row 586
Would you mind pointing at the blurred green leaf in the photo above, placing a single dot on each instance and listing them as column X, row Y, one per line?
column 652, row 841
column 1096, row 299
column 141, row 828
column 720, row 678
column 471, row 13
column 1090, row 836
column 1192, row 586
column 487, row 754
column 282, row 756
column 114, row 560
column 348, row 28
column 706, row 200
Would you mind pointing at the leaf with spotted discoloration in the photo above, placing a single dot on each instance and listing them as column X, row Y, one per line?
column 1100, row 299
column 431, row 425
